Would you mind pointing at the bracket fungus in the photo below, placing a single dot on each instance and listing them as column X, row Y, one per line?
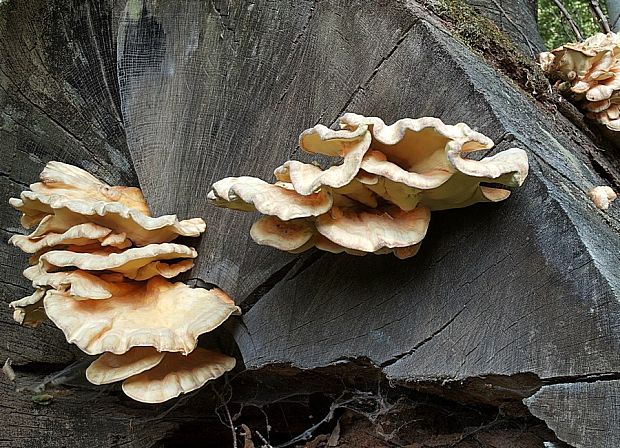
column 590, row 72
column 382, row 188
column 153, row 377
column 100, row 269
column 177, row 374
column 135, row 263
column 166, row 316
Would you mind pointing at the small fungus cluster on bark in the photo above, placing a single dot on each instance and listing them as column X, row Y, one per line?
column 378, row 195
column 100, row 266
column 589, row 72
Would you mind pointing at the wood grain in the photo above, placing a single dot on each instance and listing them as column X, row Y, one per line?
column 58, row 101
column 203, row 90
column 585, row 413
column 207, row 98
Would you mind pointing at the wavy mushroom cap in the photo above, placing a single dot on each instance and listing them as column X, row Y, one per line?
column 177, row 374
column 369, row 230
column 281, row 200
column 72, row 182
column 341, row 143
column 276, row 233
column 350, row 145
column 592, row 68
column 166, row 316
column 375, row 162
column 54, row 213
column 79, row 284
column 138, row 263
column 109, row 368
column 418, row 144
column 79, row 235
column 460, row 188
column 283, row 235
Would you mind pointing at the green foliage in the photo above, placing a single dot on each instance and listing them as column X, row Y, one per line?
column 554, row 28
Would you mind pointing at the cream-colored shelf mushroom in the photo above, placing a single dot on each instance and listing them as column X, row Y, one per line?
column 109, row 367
column 249, row 193
column 68, row 196
column 72, row 182
column 80, row 235
column 177, row 374
column 154, row 377
column 591, row 74
column 424, row 162
column 137, row 263
column 52, row 213
column 79, row 284
column 100, row 266
column 346, row 144
column 370, row 230
column 160, row 314
column 382, row 193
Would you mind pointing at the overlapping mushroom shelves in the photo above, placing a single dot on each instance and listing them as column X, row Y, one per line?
column 590, row 73
column 378, row 196
column 101, row 267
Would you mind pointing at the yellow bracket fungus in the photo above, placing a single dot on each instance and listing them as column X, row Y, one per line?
column 100, row 266
column 160, row 314
column 382, row 192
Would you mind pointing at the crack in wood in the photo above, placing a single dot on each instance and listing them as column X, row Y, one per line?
column 363, row 86
column 394, row 359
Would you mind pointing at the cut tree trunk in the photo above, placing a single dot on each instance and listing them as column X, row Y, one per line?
column 509, row 317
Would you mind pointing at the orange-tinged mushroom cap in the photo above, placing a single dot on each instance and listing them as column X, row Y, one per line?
column 72, row 182
column 369, row 230
column 80, row 235
column 307, row 178
column 177, row 374
column 164, row 315
column 249, row 193
column 134, row 263
column 284, row 235
column 54, row 213
column 109, row 367
column 80, row 285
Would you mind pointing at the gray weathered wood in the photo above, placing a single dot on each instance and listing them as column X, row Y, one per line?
column 587, row 414
column 205, row 99
column 530, row 285
column 499, row 292
column 75, row 418
column 58, row 101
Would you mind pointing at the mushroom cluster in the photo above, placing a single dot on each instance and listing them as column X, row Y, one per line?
column 379, row 195
column 100, row 266
column 590, row 73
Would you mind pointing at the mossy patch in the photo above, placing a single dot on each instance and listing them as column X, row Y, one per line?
column 484, row 37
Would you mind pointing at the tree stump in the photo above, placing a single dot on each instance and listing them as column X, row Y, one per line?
column 510, row 311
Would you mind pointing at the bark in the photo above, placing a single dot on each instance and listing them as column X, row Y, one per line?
column 504, row 303
column 613, row 12
column 517, row 18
